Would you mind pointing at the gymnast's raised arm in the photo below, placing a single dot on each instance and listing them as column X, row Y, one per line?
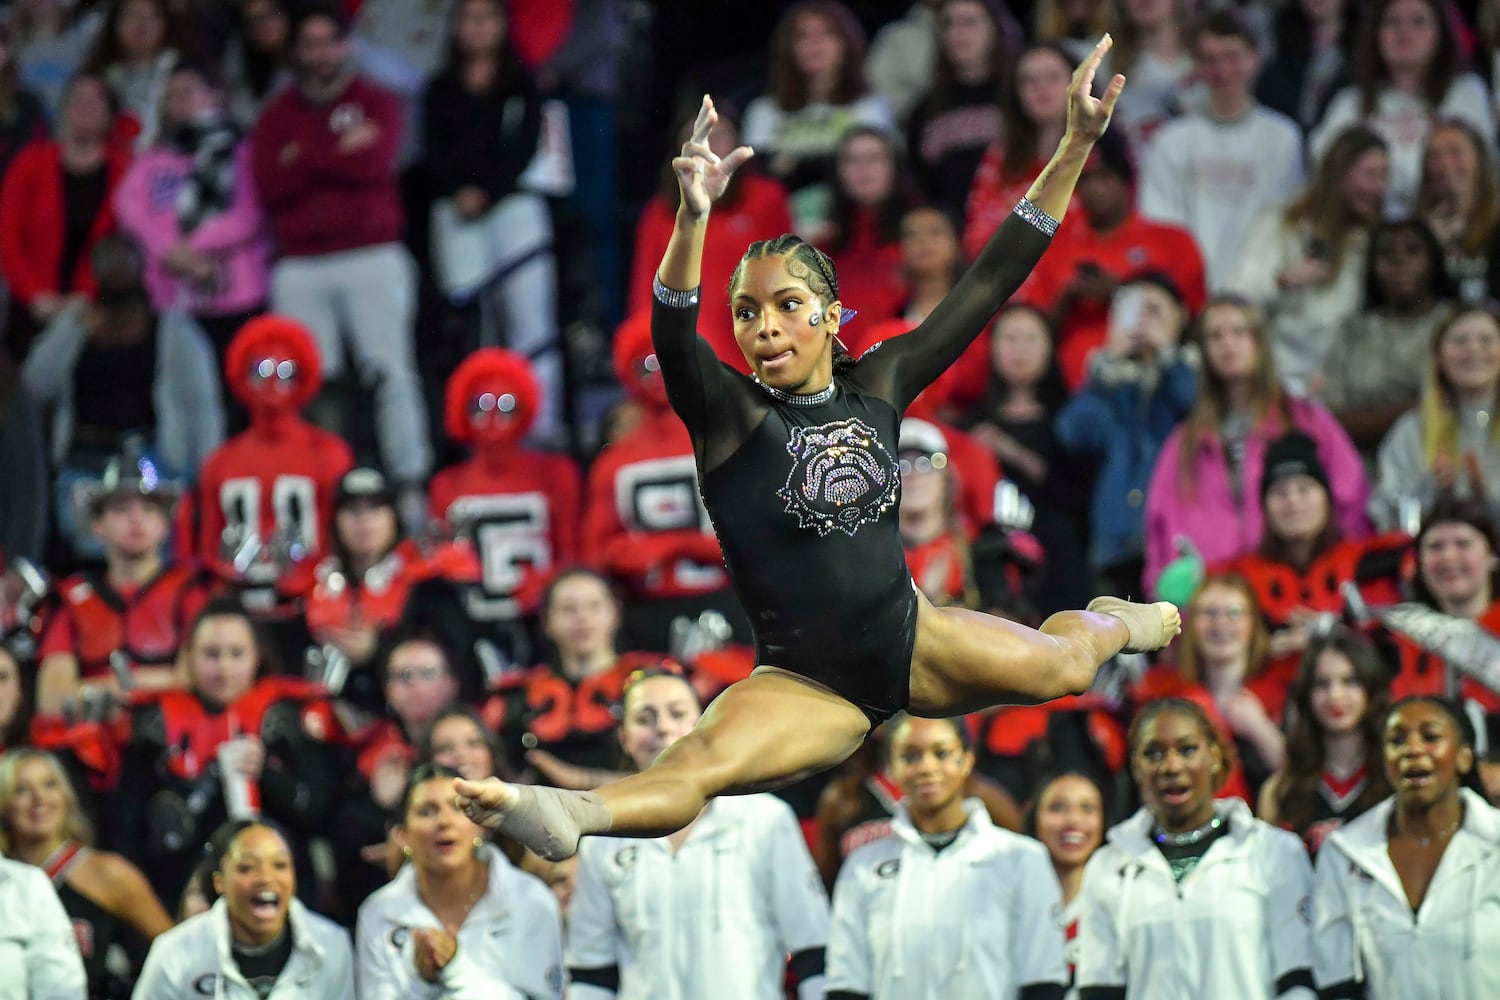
column 917, row 358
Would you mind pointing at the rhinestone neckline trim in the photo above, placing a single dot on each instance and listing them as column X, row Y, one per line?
column 796, row 399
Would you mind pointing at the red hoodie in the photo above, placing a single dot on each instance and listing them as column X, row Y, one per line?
column 321, row 199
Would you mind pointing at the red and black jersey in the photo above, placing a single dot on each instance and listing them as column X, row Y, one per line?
column 1336, row 803
column 379, row 597
column 94, row 618
column 279, row 488
column 871, row 821
column 575, row 720
column 645, row 522
column 1422, row 671
column 524, row 524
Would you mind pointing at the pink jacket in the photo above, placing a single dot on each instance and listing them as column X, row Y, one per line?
column 238, row 239
column 1207, row 514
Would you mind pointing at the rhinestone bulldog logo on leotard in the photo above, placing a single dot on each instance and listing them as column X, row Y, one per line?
column 841, row 476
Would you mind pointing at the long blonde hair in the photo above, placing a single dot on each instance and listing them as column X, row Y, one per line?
column 1188, row 664
column 1321, row 204
column 76, row 825
column 1208, row 413
column 1438, row 409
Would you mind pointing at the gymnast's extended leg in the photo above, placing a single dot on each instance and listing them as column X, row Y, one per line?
column 764, row 732
column 965, row 661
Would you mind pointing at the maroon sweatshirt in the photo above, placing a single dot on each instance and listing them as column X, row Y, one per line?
column 319, row 198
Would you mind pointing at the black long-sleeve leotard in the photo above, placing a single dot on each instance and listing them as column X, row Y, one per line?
column 803, row 491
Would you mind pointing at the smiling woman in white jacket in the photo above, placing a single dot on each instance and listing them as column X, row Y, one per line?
column 1193, row 898
column 458, row 921
column 715, row 909
column 949, row 905
column 1408, row 895
column 257, row 942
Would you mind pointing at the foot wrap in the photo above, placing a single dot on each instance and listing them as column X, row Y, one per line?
column 549, row 821
column 1151, row 626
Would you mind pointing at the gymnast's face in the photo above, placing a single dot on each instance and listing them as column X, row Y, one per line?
column 784, row 330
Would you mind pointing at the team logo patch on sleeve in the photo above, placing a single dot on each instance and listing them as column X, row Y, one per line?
column 841, row 477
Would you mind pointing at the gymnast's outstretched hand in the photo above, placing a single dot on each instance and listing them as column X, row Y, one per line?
column 701, row 174
column 1088, row 116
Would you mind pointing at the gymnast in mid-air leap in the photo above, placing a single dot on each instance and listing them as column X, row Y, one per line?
column 797, row 467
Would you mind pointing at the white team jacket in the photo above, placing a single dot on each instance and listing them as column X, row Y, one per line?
column 1364, row 929
column 979, row 918
column 39, row 957
column 1238, row 926
column 717, row 919
column 192, row 961
column 509, row 948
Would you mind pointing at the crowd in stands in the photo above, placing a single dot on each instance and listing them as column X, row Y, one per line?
column 337, row 464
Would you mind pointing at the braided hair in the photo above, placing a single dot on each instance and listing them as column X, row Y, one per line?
column 804, row 262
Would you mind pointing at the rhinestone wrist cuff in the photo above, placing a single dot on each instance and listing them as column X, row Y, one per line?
column 672, row 298
column 1041, row 220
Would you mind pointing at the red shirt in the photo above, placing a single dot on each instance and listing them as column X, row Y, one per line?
column 321, row 199
column 146, row 623
column 1135, row 246
column 32, row 218
column 378, row 599
column 1424, row 672
column 760, row 213
column 279, row 487
column 525, row 525
column 870, row 275
column 645, row 522
column 992, row 197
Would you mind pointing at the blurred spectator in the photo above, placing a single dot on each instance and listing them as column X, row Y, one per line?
column 931, row 264
column 1311, row 60
column 1408, row 70
column 903, row 57
column 644, row 524
column 1034, row 112
column 752, row 207
column 1067, row 816
column 1423, row 850
column 123, row 622
column 51, row 39
column 1141, row 385
column 816, row 93
column 15, row 714
column 1203, row 501
column 237, row 740
column 937, row 551
column 257, row 61
column 55, row 204
column 1016, row 422
column 118, row 376
column 40, row 953
column 1305, row 561
column 1100, row 247
column 1152, row 929
column 1334, row 771
column 458, row 917
column 375, row 580
column 456, row 738
column 482, row 117
column 1152, row 48
column 409, row 37
column 1073, row 25
column 257, row 935
column 1224, row 649
column 959, row 117
column 886, row 933
column 190, row 203
column 565, row 705
column 257, row 519
column 1374, row 368
column 23, row 120
column 637, row 923
column 871, row 193
column 1211, row 172
column 1487, row 62
column 25, row 492
column 327, row 179
column 518, row 507
column 1460, row 201
column 1305, row 264
column 416, row 676
column 1450, row 442
column 559, row 876
column 106, row 897
column 139, row 44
